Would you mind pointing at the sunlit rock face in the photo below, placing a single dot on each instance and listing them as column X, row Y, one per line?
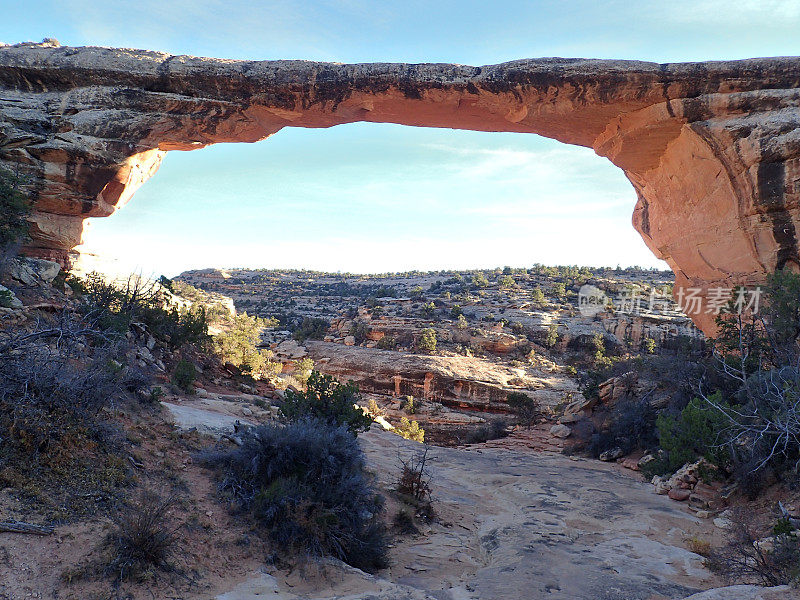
column 711, row 148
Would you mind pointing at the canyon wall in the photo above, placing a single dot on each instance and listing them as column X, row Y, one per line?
column 712, row 149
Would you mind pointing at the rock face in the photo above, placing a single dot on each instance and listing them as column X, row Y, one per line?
column 712, row 149
column 454, row 381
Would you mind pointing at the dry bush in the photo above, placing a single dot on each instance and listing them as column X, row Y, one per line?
column 414, row 481
column 143, row 538
column 747, row 558
column 50, row 402
column 699, row 546
column 414, row 484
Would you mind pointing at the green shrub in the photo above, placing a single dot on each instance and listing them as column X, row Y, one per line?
column 328, row 400
column 696, row 432
column 427, row 341
column 14, row 207
column 410, row 430
column 6, row 298
column 552, row 336
column 184, row 376
column 359, row 331
column 525, row 408
column 558, row 290
column 311, row 328
column 506, row 281
column 386, row 343
column 410, row 405
column 479, row 281
column 155, row 395
column 303, row 369
column 238, row 344
column 307, row 484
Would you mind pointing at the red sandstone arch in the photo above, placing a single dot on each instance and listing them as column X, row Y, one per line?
column 712, row 149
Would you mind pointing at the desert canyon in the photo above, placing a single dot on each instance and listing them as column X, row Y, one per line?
column 546, row 428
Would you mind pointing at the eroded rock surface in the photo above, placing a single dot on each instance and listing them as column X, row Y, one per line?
column 712, row 149
column 456, row 381
column 518, row 525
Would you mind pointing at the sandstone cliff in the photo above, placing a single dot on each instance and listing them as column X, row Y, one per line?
column 712, row 149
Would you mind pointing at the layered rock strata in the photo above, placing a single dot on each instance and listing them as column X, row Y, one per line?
column 712, row 149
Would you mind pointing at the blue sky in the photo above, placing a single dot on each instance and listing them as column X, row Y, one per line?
column 368, row 197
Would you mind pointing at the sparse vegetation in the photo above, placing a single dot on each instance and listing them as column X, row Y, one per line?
column 113, row 308
column 415, row 481
column 525, row 408
column 307, row 485
column 747, row 557
column 14, row 207
column 329, row 401
column 311, row 328
column 143, row 539
column 410, row 430
column 427, row 341
column 184, row 375
column 746, row 417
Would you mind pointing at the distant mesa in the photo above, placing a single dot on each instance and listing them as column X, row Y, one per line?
column 712, row 148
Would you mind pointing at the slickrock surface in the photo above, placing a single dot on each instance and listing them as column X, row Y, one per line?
column 517, row 525
column 712, row 148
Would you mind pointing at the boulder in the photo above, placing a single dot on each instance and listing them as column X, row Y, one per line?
column 560, row 431
column 33, row 271
column 612, row 454
column 679, row 494
column 8, row 299
column 290, row 350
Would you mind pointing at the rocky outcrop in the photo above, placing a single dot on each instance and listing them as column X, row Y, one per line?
column 712, row 149
column 455, row 381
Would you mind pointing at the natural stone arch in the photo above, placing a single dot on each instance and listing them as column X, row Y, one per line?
column 712, row 149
